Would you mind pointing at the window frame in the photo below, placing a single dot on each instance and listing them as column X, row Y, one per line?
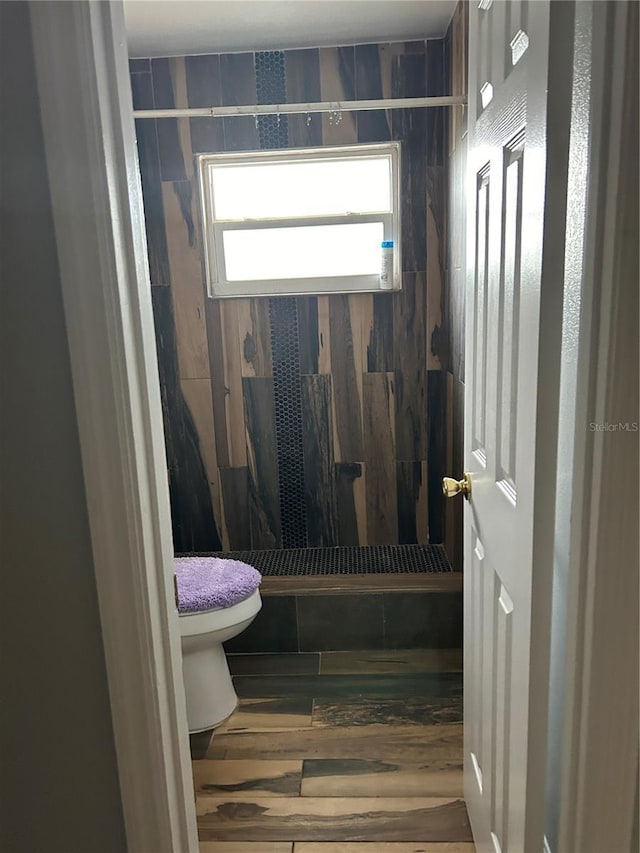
column 213, row 229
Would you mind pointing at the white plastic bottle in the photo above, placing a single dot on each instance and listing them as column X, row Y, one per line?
column 386, row 265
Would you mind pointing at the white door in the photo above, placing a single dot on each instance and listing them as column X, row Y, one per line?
column 514, row 223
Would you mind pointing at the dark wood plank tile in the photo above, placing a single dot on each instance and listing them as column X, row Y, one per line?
column 379, row 458
column 235, row 498
column 263, row 467
column 417, row 46
column 456, row 260
column 308, row 333
column 380, row 354
column 193, row 522
column 218, row 383
column 199, row 744
column 413, row 187
column 270, row 664
column 392, row 712
column 361, row 316
column 302, row 68
column 137, row 65
column 204, row 82
column 254, row 333
column 232, row 378
column 437, row 118
column 373, row 125
column 339, row 622
column 409, row 126
column 197, row 397
column 187, row 285
column 204, row 90
column 142, row 92
column 436, row 404
column 324, row 335
column 413, row 511
column 337, row 73
column 278, row 714
column 346, row 777
column 423, row 620
column 409, row 316
column 337, row 83
column 172, row 156
column 240, row 779
column 207, row 135
column 237, row 79
column 149, row 157
column 240, row 133
column 339, row 818
column 399, row 662
column 346, row 473
column 317, row 441
column 346, row 687
column 390, row 54
column 247, row 847
column 346, row 393
column 338, row 584
column 274, row 629
column 437, row 333
column 409, row 326
column 238, row 83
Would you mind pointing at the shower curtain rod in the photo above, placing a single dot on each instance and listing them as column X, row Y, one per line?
column 317, row 107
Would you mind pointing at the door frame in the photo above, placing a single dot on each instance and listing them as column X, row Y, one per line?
column 90, row 144
column 598, row 754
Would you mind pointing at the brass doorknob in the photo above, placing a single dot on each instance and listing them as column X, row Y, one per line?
column 451, row 487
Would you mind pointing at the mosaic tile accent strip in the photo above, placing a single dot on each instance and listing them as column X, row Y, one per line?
column 273, row 132
column 288, row 416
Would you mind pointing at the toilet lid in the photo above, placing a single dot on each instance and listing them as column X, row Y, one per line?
column 207, row 582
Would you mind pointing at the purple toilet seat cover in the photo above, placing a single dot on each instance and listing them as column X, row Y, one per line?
column 208, row 582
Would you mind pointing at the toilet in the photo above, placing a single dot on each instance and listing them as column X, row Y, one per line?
column 217, row 599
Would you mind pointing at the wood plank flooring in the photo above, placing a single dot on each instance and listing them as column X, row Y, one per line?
column 334, row 847
column 332, row 818
column 366, row 758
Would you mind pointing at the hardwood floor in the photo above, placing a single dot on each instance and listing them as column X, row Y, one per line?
column 365, row 757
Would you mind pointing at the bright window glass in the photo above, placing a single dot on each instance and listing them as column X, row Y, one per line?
column 296, row 221
column 315, row 251
column 312, row 188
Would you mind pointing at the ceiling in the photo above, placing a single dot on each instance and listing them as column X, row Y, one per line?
column 178, row 27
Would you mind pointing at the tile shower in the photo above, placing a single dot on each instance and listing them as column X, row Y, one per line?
column 311, row 422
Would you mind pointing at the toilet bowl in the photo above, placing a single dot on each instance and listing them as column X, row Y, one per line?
column 203, row 581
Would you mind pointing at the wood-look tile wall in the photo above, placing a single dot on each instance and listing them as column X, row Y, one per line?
column 457, row 47
column 373, row 367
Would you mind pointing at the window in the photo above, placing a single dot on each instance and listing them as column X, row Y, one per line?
column 301, row 220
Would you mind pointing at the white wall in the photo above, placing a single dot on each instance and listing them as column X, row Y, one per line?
column 59, row 775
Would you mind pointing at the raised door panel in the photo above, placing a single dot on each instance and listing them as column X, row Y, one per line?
column 506, row 192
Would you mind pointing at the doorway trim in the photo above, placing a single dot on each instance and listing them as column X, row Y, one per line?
column 598, row 803
column 87, row 118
